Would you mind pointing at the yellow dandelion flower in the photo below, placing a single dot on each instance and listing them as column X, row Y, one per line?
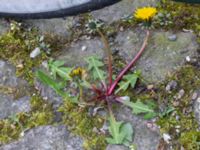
column 77, row 72
column 145, row 13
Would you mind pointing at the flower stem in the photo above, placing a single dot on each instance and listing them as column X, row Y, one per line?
column 109, row 55
column 80, row 92
column 124, row 71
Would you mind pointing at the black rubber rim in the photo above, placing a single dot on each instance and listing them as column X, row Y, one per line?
column 189, row 1
column 87, row 7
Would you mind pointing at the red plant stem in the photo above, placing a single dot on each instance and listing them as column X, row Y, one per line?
column 108, row 51
column 95, row 89
column 124, row 71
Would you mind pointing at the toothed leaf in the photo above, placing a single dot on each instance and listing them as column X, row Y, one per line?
column 57, row 69
column 95, row 66
column 140, row 108
column 127, row 81
column 121, row 133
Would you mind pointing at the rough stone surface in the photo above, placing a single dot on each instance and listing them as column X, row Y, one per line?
column 4, row 26
column 145, row 138
column 116, row 147
column 13, row 92
column 196, row 106
column 46, row 138
column 48, row 94
column 161, row 56
column 122, row 9
column 9, row 81
column 9, row 107
column 60, row 27
column 74, row 54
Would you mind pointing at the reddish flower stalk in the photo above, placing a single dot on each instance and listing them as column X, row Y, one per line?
column 108, row 51
column 128, row 67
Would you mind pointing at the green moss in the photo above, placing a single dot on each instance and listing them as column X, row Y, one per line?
column 80, row 123
column 181, row 124
column 16, row 46
column 190, row 140
column 183, row 16
column 41, row 114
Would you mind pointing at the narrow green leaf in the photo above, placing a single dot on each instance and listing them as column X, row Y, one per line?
column 50, row 82
column 58, row 63
column 150, row 115
column 64, row 72
column 47, row 80
column 167, row 111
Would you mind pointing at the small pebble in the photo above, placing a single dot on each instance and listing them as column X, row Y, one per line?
column 152, row 126
column 149, row 125
column 36, row 52
column 171, row 86
column 177, row 117
column 22, row 134
column 121, row 29
column 178, row 127
column 45, row 64
column 180, row 94
column 194, row 96
column 20, row 66
column 150, row 87
column 187, row 58
column 95, row 130
column 172, row 37
column 198, row 99
column 175, row 103
column 84, row 48
column 166, row 137
column 105, row 127
column 177, row 131
column 128, row 38
column 45, row 98
column 41, row 38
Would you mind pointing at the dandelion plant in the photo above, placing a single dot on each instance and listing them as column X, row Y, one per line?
column 104, row 85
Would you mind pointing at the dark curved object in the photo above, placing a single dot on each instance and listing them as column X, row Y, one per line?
column 20, row 9
column 189, row 1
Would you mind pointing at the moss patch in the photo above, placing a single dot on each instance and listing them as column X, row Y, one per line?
column 81, row 124
column 13, row 127
column 190, row 140
column 183, row 16
column 16, row 46
column 181, row 124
